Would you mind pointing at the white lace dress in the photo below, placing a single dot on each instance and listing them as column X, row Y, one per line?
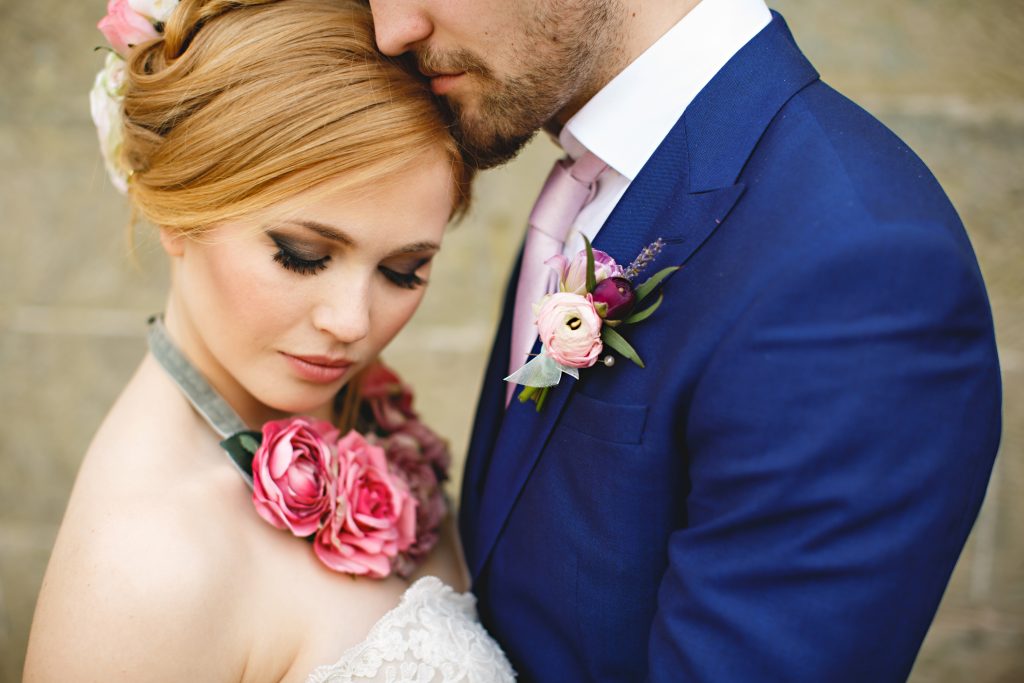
column 433, row 636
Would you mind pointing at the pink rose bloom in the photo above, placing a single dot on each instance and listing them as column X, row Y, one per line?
column 373, row 516
column 124, row 28
column 389, row 399
column 570, row 329
column 572, row 276
column 291, row 472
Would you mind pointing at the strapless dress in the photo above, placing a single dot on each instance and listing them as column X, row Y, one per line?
column 432, row 636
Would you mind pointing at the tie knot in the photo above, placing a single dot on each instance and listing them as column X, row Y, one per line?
column 567, row 190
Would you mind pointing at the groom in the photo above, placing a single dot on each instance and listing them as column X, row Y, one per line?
column 781, row 494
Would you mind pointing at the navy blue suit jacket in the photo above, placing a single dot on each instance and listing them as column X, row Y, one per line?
column 782, row 493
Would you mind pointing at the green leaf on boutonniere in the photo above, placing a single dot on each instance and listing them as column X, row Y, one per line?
column 591, row 276
column 648, row 286
column 241, row 447
column 644, row 314
column 541, row 397
column 619, row 343
column 536, row 394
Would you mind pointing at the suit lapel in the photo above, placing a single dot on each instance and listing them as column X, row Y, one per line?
column 490, row 414
column 682, row 195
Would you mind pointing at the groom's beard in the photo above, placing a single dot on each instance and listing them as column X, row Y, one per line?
column 494, row 118
column 559, row 67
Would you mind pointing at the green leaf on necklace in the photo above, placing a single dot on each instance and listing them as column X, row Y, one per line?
column 241, row 447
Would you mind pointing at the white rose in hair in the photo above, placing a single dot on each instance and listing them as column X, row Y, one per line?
column 157, row 10
column 105, row 104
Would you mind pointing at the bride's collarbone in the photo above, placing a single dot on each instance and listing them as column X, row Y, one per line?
column 190, row 547
column 318, row 613
column 181, row 522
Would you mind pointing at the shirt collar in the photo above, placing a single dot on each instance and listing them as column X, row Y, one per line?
column 626, row 120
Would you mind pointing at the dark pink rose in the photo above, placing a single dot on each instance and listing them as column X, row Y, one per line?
column 422, row 459
column 389, row 399
column 373, row 517
column 124, row 28
column 616, row 293
column 433, row 448
column 292, row 472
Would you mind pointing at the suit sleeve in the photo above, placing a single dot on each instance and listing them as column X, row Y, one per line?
column 839, row 443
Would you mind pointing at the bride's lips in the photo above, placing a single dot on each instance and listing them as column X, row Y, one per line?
column 319, row 369
column 441, row 84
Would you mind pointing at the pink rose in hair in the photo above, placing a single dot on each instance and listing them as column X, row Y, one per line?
column 570, row 329
column 389, row 399
column 292, row 474
column 572, row 275
column 373, row 516
column 124, row 28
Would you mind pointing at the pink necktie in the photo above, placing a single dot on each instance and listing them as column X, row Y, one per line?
column 567, row 190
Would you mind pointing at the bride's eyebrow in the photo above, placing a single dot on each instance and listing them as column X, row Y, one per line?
column 326, row 231
column 416, row 248
column 338, row 235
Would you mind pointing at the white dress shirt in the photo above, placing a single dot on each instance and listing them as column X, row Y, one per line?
column 626, row 121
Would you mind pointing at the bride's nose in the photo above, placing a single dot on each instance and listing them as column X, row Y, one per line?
column 344, row 313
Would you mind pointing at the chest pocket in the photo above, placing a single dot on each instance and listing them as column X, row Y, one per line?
column 614, row 422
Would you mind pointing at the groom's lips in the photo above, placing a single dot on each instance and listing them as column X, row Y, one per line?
column 441, row 84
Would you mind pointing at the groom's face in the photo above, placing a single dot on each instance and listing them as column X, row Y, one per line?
column 505, row 67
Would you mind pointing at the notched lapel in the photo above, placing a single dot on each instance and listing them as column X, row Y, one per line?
column 523, row 435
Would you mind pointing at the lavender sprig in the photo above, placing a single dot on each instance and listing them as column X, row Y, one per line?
column 644, row 259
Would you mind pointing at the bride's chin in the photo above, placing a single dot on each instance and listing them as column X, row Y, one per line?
column 318, row 404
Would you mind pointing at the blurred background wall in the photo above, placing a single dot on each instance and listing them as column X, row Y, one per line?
column 946, row 75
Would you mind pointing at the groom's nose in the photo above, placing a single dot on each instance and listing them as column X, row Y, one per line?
column 399, row 25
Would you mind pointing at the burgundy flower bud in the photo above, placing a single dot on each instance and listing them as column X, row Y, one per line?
column 617, row 293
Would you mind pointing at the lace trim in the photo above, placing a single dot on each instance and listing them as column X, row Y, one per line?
column 432, row 636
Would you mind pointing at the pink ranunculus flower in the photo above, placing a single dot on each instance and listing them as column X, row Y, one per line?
column 292, row 473
column 572, row 276
column 373, row 517
column 124, row 28
column 388, row 398
column 570, row 329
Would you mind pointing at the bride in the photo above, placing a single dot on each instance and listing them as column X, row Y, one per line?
column 301, row 184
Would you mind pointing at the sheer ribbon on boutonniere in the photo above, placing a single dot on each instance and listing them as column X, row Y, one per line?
column 596, row 297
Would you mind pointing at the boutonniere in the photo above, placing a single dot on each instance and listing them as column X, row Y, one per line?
column 596, row 298
column 371, row 504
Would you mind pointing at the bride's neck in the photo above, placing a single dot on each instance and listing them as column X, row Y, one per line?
column 252, row 412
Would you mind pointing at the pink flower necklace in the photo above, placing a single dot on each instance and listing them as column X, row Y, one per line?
column 370, row 503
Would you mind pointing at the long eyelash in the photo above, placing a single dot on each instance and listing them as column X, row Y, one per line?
column 297, row 264
column 404, row 280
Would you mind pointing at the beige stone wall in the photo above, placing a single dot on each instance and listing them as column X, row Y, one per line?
column 946, row 75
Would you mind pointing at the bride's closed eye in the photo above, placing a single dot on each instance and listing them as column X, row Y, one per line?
column 405, row 278
column 296, row 260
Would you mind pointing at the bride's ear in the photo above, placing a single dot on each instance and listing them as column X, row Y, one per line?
column 172, row 242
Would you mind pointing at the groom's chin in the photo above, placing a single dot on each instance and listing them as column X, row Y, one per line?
column 489, row 151
column 486, row 140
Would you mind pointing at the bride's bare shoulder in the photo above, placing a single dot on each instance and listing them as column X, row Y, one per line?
column 143, row 575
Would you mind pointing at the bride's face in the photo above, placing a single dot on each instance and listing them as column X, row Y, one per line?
column 281, row 309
